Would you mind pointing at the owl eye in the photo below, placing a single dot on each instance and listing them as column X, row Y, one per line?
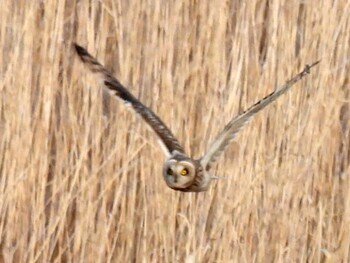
column 184, row 171
column 169, row 171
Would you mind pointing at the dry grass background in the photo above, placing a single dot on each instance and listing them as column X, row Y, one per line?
column 76, row 187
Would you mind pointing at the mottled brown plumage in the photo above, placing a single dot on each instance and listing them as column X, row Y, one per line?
column 181, row 172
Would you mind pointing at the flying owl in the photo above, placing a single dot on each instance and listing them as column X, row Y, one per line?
column 181, row 172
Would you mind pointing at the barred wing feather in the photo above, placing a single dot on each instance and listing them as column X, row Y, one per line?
column 233, row 127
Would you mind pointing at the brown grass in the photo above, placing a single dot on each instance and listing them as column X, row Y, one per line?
column 76, row 187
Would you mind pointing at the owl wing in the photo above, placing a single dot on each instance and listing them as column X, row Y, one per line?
column 113, row 86
column 233, row 127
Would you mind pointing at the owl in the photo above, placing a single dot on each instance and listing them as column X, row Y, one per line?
column 181, row 172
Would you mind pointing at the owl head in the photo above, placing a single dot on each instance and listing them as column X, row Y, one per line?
column 179, row 171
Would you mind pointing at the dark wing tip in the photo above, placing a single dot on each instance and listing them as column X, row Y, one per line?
column 313, row 64
column 82, row 52
column 308, row 67
column 79, row 49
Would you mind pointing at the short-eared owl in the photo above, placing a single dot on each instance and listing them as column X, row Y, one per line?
column 180, row 171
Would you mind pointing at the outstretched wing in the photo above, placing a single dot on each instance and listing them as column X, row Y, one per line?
column 114, row 87
column 233, row 127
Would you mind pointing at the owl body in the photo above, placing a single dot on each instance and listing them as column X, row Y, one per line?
column 181, row 172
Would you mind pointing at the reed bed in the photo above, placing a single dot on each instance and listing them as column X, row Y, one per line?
column 81, row 176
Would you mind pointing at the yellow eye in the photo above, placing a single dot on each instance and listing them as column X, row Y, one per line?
column 184, row 172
